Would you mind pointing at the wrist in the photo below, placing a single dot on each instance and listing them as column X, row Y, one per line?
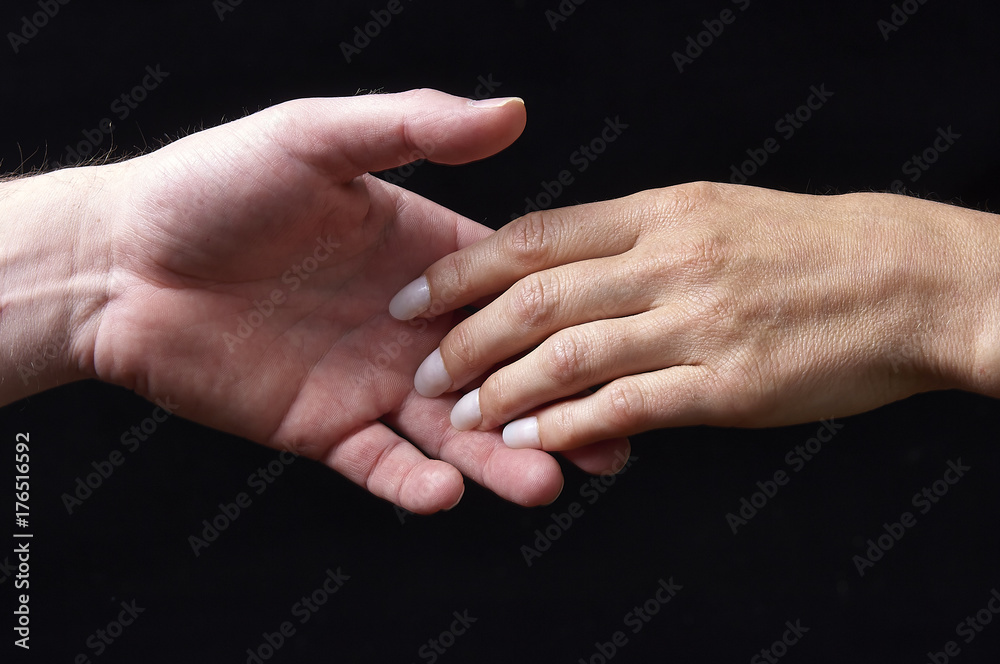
column 53, row 277
column 981, row 373
column 960, row 326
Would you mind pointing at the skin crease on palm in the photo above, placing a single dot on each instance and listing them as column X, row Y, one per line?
column 192, row 236
column 715, row 304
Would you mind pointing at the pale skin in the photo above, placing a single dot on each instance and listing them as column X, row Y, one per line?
column 714, row 304
column 154, row 274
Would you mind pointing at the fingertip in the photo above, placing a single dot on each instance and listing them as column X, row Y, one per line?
column 536, row 478
column 469, row 132
column 466, row 414
column 439, row 486
column 413, row 300
column 562, row 486
column 522, row 434
column 455, row 504
column 432, row 379
column 512, row 114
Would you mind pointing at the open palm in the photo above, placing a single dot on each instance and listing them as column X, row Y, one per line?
column 252, row 268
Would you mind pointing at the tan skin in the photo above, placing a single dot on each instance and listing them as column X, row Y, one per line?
column 722, row 305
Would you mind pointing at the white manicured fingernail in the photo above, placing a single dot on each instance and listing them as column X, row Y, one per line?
column 432, row 379
column 466, row 414
column 413, row 300
column 522, row 433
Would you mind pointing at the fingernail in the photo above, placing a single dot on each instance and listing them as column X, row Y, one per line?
column 460, row 496
column 494, row 103
column 413, row 300
column 466, row 414
column 432, row 379
column 521, row 434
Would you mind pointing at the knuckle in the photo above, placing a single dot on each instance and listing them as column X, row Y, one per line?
column 531, row 239
column 454, row 274
column 564, row 357
column 301, row 447
column 462, row 345
column 695, row 195
column 498, row 398
column 416, row 94
column 626, row 404
column 276, row 123
column 563, row 423
column 701, row 255
column 534, row 299
column 683, row 205
column 698, row 262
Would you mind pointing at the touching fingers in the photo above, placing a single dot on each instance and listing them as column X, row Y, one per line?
column 679, row 396
column 536, row 307
column 538, row 241
column 572, row 360
column 525, row 477
column 390, row 467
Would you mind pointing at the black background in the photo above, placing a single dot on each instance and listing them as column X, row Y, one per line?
column 665, row 517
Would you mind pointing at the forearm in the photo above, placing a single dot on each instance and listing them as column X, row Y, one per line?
column 53, row 278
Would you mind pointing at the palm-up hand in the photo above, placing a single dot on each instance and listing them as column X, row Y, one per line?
column 250, row 267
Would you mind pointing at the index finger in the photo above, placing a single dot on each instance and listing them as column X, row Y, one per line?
column 535, row 242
